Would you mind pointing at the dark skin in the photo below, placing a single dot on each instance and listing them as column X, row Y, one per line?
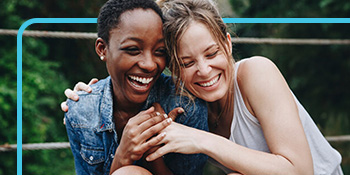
column 135, row 57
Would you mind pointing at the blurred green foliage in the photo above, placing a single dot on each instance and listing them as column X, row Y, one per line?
column 318, row 75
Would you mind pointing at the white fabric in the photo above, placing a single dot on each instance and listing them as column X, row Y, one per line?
column 246, row 131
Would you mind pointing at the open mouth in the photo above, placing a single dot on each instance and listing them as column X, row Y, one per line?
column 140, row 83
column 209, row 83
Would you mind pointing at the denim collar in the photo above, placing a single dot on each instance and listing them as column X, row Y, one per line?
column 106, row 108
column 106, row 119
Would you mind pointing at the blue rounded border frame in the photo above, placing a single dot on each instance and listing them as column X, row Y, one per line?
column 94, row 20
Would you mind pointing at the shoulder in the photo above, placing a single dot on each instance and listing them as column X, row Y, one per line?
column 256, row 65
column 258, row 78
column 257, row 70
column 86, row 109
column 164, row 82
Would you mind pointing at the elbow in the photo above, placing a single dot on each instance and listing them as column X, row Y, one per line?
column 303, row 166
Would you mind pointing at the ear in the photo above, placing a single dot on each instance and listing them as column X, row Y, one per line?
column 101, row 48
column 229, row 42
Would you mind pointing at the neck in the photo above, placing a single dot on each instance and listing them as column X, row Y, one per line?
column 221, row 111
column 124, row 108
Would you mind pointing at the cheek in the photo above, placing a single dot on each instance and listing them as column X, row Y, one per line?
column 188, row 77
column 161, row 63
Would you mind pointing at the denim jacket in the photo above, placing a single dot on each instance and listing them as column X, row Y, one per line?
column 93, row 138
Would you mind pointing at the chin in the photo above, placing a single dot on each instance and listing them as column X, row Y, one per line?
column 137, row 99
column 213, row 97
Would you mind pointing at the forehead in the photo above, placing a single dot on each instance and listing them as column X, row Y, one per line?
column 197, row 37
column 139, row 21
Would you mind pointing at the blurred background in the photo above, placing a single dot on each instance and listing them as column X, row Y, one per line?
column 317, row 74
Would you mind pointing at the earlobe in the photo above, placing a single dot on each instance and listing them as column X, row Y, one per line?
column 100, row 48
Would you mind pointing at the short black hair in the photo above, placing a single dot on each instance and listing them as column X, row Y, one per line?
column 110, row 12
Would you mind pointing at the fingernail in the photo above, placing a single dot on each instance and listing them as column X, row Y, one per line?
column 157, row 113
column 147, row 158
column 180, row 111
column 75, row 97
column 162, row 134
column 169, row 120
column 165, row 116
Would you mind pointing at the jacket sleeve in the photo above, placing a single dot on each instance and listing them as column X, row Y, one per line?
column 75, row 145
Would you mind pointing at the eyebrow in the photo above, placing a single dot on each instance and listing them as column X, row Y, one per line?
column 211, row 46
column 131, row 38
column 139, row 40
column 208, row 48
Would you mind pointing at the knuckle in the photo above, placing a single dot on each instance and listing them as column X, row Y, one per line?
column 132, row 133
column 133, row 141
column 154, row 120
column 153, row 130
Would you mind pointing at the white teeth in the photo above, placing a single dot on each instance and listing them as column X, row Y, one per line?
column 140, row 79
column 210, row 83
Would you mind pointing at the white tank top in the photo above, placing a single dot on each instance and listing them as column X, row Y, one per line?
column 246, row 131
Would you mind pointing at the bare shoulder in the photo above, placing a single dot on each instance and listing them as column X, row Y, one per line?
column 257, row 69
column 257, row 63
column 258, row 78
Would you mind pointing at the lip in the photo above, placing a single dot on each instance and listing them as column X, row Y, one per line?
column 140, row 83
column 211, row 87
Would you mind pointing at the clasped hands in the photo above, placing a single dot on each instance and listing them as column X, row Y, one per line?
column 144, row 134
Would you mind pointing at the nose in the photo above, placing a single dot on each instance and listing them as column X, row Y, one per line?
column 147, row 63
column 203, row 68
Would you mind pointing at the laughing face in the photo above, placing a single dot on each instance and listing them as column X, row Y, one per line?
column 135, row 55
column 204, row 65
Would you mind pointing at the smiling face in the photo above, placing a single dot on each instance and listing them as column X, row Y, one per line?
column 205, row 69
column 135, row 55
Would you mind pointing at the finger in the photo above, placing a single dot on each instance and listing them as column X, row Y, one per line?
column 142, row 116
column 153, row 144
column 176, row 112
column 71, row 95
column 64, row 106
column 82, row 87
column 159, row 153
column 148, row 133
column 154, row 119
column 93, row 81
column 64, row 121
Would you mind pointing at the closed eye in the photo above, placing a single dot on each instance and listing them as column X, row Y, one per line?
column 160, row 52
column 132, row 50
column 213, row 54
column 187, row 64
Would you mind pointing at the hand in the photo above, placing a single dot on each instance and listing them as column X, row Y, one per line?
column 141, row 133
column 80, row 86
column 178, row 139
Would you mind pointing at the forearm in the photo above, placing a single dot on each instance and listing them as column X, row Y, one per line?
column 119, row 162
column 245, row 160
column 157, row 167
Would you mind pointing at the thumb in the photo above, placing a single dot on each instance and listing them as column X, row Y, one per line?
column 176, row 112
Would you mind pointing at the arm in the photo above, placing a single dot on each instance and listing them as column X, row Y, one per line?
column 268, row 96
column 269, row 99
column 74, row 141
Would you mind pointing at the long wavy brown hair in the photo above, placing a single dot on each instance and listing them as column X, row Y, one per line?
column 178, row 15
